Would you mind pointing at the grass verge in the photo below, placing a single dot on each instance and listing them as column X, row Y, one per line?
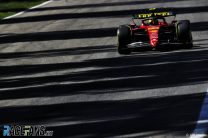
column 10, row 7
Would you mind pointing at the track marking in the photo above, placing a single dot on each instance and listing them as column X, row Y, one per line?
column 19, row 13
column 201, row 129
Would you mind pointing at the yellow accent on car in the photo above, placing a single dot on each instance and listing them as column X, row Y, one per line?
column 147, row 15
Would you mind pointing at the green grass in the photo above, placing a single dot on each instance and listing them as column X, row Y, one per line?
column 10, row 7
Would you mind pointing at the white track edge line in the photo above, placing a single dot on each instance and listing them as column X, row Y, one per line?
column 17, row 14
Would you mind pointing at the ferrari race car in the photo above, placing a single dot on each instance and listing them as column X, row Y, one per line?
column 149, row 28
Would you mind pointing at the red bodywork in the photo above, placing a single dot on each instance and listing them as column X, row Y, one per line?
column 152, row 31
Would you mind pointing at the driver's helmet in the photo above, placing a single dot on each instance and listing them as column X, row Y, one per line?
column 150, row 21
column 153, row 21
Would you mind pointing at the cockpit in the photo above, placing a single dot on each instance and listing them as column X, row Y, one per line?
column 154, row 21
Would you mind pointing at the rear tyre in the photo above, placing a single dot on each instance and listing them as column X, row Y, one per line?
column 124, row 38
column 184, row 35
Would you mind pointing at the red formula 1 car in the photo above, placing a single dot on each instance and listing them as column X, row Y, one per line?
column 153, row 31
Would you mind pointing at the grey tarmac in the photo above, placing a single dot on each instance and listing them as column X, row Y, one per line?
column 60, row 68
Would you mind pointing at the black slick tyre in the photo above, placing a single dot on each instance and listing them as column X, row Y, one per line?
column 124, row 38
column 184, row 35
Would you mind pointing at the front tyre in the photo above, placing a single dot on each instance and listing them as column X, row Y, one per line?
column 124, row 38
column 184, row 33
column 189, row 44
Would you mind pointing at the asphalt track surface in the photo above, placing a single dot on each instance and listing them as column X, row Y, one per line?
column 59, row 67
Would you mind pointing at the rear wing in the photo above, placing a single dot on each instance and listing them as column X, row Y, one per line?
column 143, row 14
